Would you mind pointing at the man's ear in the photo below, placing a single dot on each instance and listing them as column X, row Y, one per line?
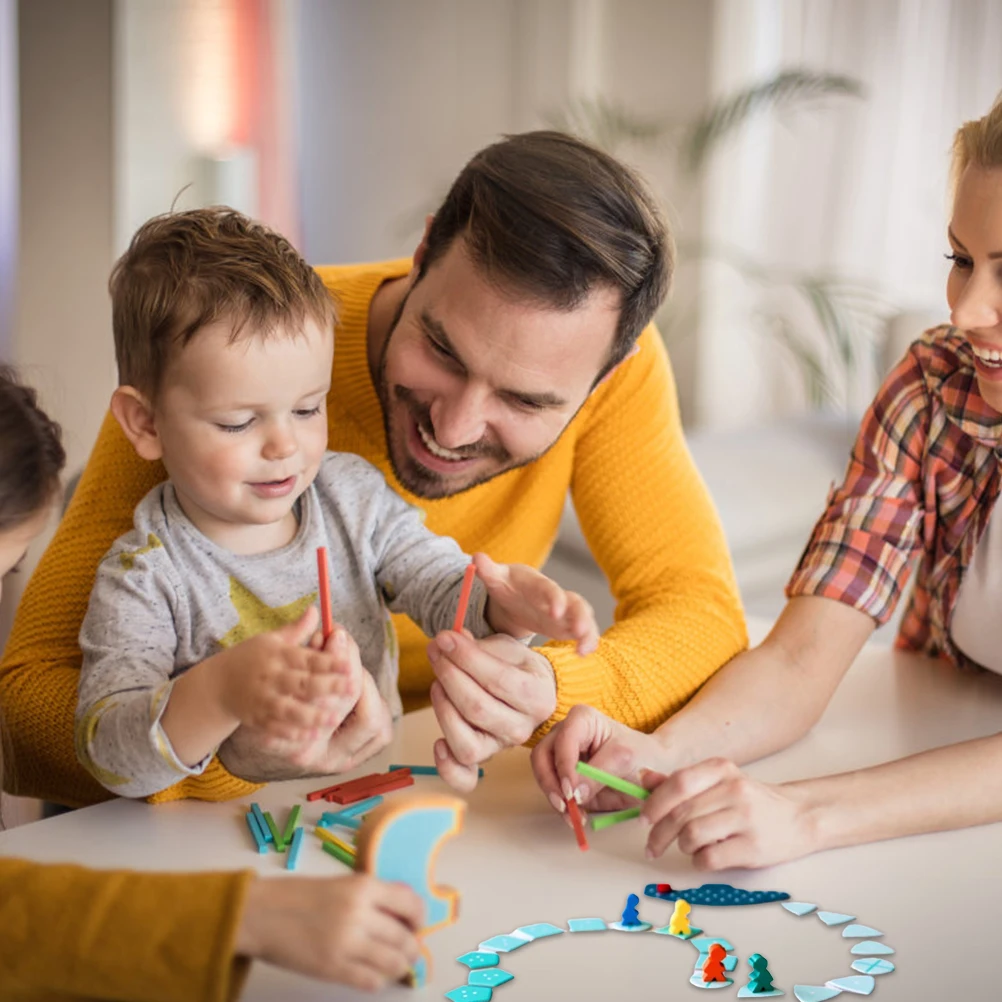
column 422, row 247
column 633, row 351
column 135, row 414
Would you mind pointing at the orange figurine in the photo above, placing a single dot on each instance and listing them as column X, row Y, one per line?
column 713, row 969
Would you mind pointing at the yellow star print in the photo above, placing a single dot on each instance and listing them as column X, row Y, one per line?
column 256, row 617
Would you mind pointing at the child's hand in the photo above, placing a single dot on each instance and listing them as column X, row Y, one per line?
column 589, row 735
column 522, row 602
column 355, row 930
column 724, row 819
column 284, row 691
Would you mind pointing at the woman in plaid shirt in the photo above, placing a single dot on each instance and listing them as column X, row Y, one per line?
column 922, row 483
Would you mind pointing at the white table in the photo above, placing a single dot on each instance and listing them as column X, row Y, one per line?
column 937, row 898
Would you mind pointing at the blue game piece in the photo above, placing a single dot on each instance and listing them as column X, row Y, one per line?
column 491, row 978
column 814, row 993
column 872, row 965
column 630, row 915
column 292, row 856
column 799, row 907
column 871, row 946
column 503, row 944
column 540, row 930
column 479, row 958
column 859, row 932
column 586, row 925
column 470, row 993
column 834, row 918
column 859, row 984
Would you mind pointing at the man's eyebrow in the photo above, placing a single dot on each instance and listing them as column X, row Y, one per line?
column 436, row 331
column 993, row 256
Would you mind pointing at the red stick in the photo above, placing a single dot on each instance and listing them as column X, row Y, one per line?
column 345, row 797
column 464, row 597
column 364, row 782
column 326, row 616
column 575, row 816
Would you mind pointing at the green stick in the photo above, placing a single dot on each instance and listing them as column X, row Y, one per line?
column 290, row 825
column 338, row 853
column 600, row 821
column 275, row 833
column 607, row 779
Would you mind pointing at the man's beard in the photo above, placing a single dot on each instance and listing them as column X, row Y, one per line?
column 414, row 477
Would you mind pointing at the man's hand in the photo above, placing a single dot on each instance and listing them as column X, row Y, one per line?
column 523, row 602
column 488, row 695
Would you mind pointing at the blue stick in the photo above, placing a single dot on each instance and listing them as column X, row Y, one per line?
column 261, row 823
column 292, row 856
column 262, row 846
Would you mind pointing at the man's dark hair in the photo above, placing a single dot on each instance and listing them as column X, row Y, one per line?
column 555, row 218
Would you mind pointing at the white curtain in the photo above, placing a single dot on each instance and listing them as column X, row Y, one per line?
column 856, row 188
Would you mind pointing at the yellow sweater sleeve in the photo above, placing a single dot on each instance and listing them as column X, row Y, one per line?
column 653, row 529
column 72, row 933
column 41, row 666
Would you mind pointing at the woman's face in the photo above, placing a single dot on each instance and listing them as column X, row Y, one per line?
column 14, row 542
column 974, row 288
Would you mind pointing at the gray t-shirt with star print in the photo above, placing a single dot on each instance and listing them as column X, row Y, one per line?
column 166, row 597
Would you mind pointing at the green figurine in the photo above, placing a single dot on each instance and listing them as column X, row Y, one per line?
column 761, row 979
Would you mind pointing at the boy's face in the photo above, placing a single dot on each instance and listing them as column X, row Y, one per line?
column 243, row 424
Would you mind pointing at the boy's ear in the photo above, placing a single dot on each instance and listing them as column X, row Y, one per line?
column 133, row 412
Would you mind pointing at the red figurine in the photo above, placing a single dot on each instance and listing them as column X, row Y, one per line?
column 713, row 969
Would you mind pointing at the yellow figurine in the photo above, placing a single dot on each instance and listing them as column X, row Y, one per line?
column 679, row 922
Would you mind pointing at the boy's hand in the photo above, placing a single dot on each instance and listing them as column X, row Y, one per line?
column 523, row 602
column 355, row 930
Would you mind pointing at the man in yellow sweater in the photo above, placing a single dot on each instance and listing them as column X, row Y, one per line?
column 502, row 367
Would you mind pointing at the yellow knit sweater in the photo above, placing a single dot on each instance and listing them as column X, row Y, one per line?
column 75, row 934
column 642, row 506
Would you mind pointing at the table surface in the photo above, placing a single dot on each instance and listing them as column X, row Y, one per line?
column 936, row 897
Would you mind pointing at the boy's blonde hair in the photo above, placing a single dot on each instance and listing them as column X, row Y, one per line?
column 978, row 142
column 184, row 270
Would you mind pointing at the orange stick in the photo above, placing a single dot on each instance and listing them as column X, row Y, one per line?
column 575, row 816
column 464, row 597
column 344, row 797
column 326, row 616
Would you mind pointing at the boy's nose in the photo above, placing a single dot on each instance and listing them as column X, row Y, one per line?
column 280, row 444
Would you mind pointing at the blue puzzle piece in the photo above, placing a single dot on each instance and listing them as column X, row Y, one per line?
column 834, row 918
column 477, row 959
column 872, row 965
column 729, row 962
column 665, row 930
column 636, row 927
column 799, row 907
column 871, row 947
column 503, row 944
column 858, row 984
column 586, row 925
column 860, row 932
column 814, row 993
column 540, row 930
column 744, row 992
column 703, row 943
column 470, row 993
column 490, row 978
column 697, row 980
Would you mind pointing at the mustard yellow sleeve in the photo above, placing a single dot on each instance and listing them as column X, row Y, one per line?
column 71, row 933
column 653, row 529
column 41, row 666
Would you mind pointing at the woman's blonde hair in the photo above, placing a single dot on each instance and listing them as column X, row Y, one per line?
column 978, row 142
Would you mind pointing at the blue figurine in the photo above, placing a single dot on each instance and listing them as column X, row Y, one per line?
column 630, row 916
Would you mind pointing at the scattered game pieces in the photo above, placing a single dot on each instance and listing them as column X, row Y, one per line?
column 574, row 813
column 539, row 930
column 718, row 895
column 703, row 943
column 323, row 576
column 872, row 965
column 491, row 977
column 503, row 944
column 426, row 770
column 860, row 984
column 586, row 925
column 815, row 993
column 613, row 782
column 600, row 821
column 870, row 946
column 859, row 932
column 799, row 907
column 835, row 918
column 470, row 993
column 292, row 858
column 713, row 967
column 259, row 839
column 400, row 841
column 477, row 959
column 464, row 597
column 760, row 980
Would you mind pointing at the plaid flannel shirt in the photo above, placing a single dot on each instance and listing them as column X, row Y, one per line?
column 922, row 481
